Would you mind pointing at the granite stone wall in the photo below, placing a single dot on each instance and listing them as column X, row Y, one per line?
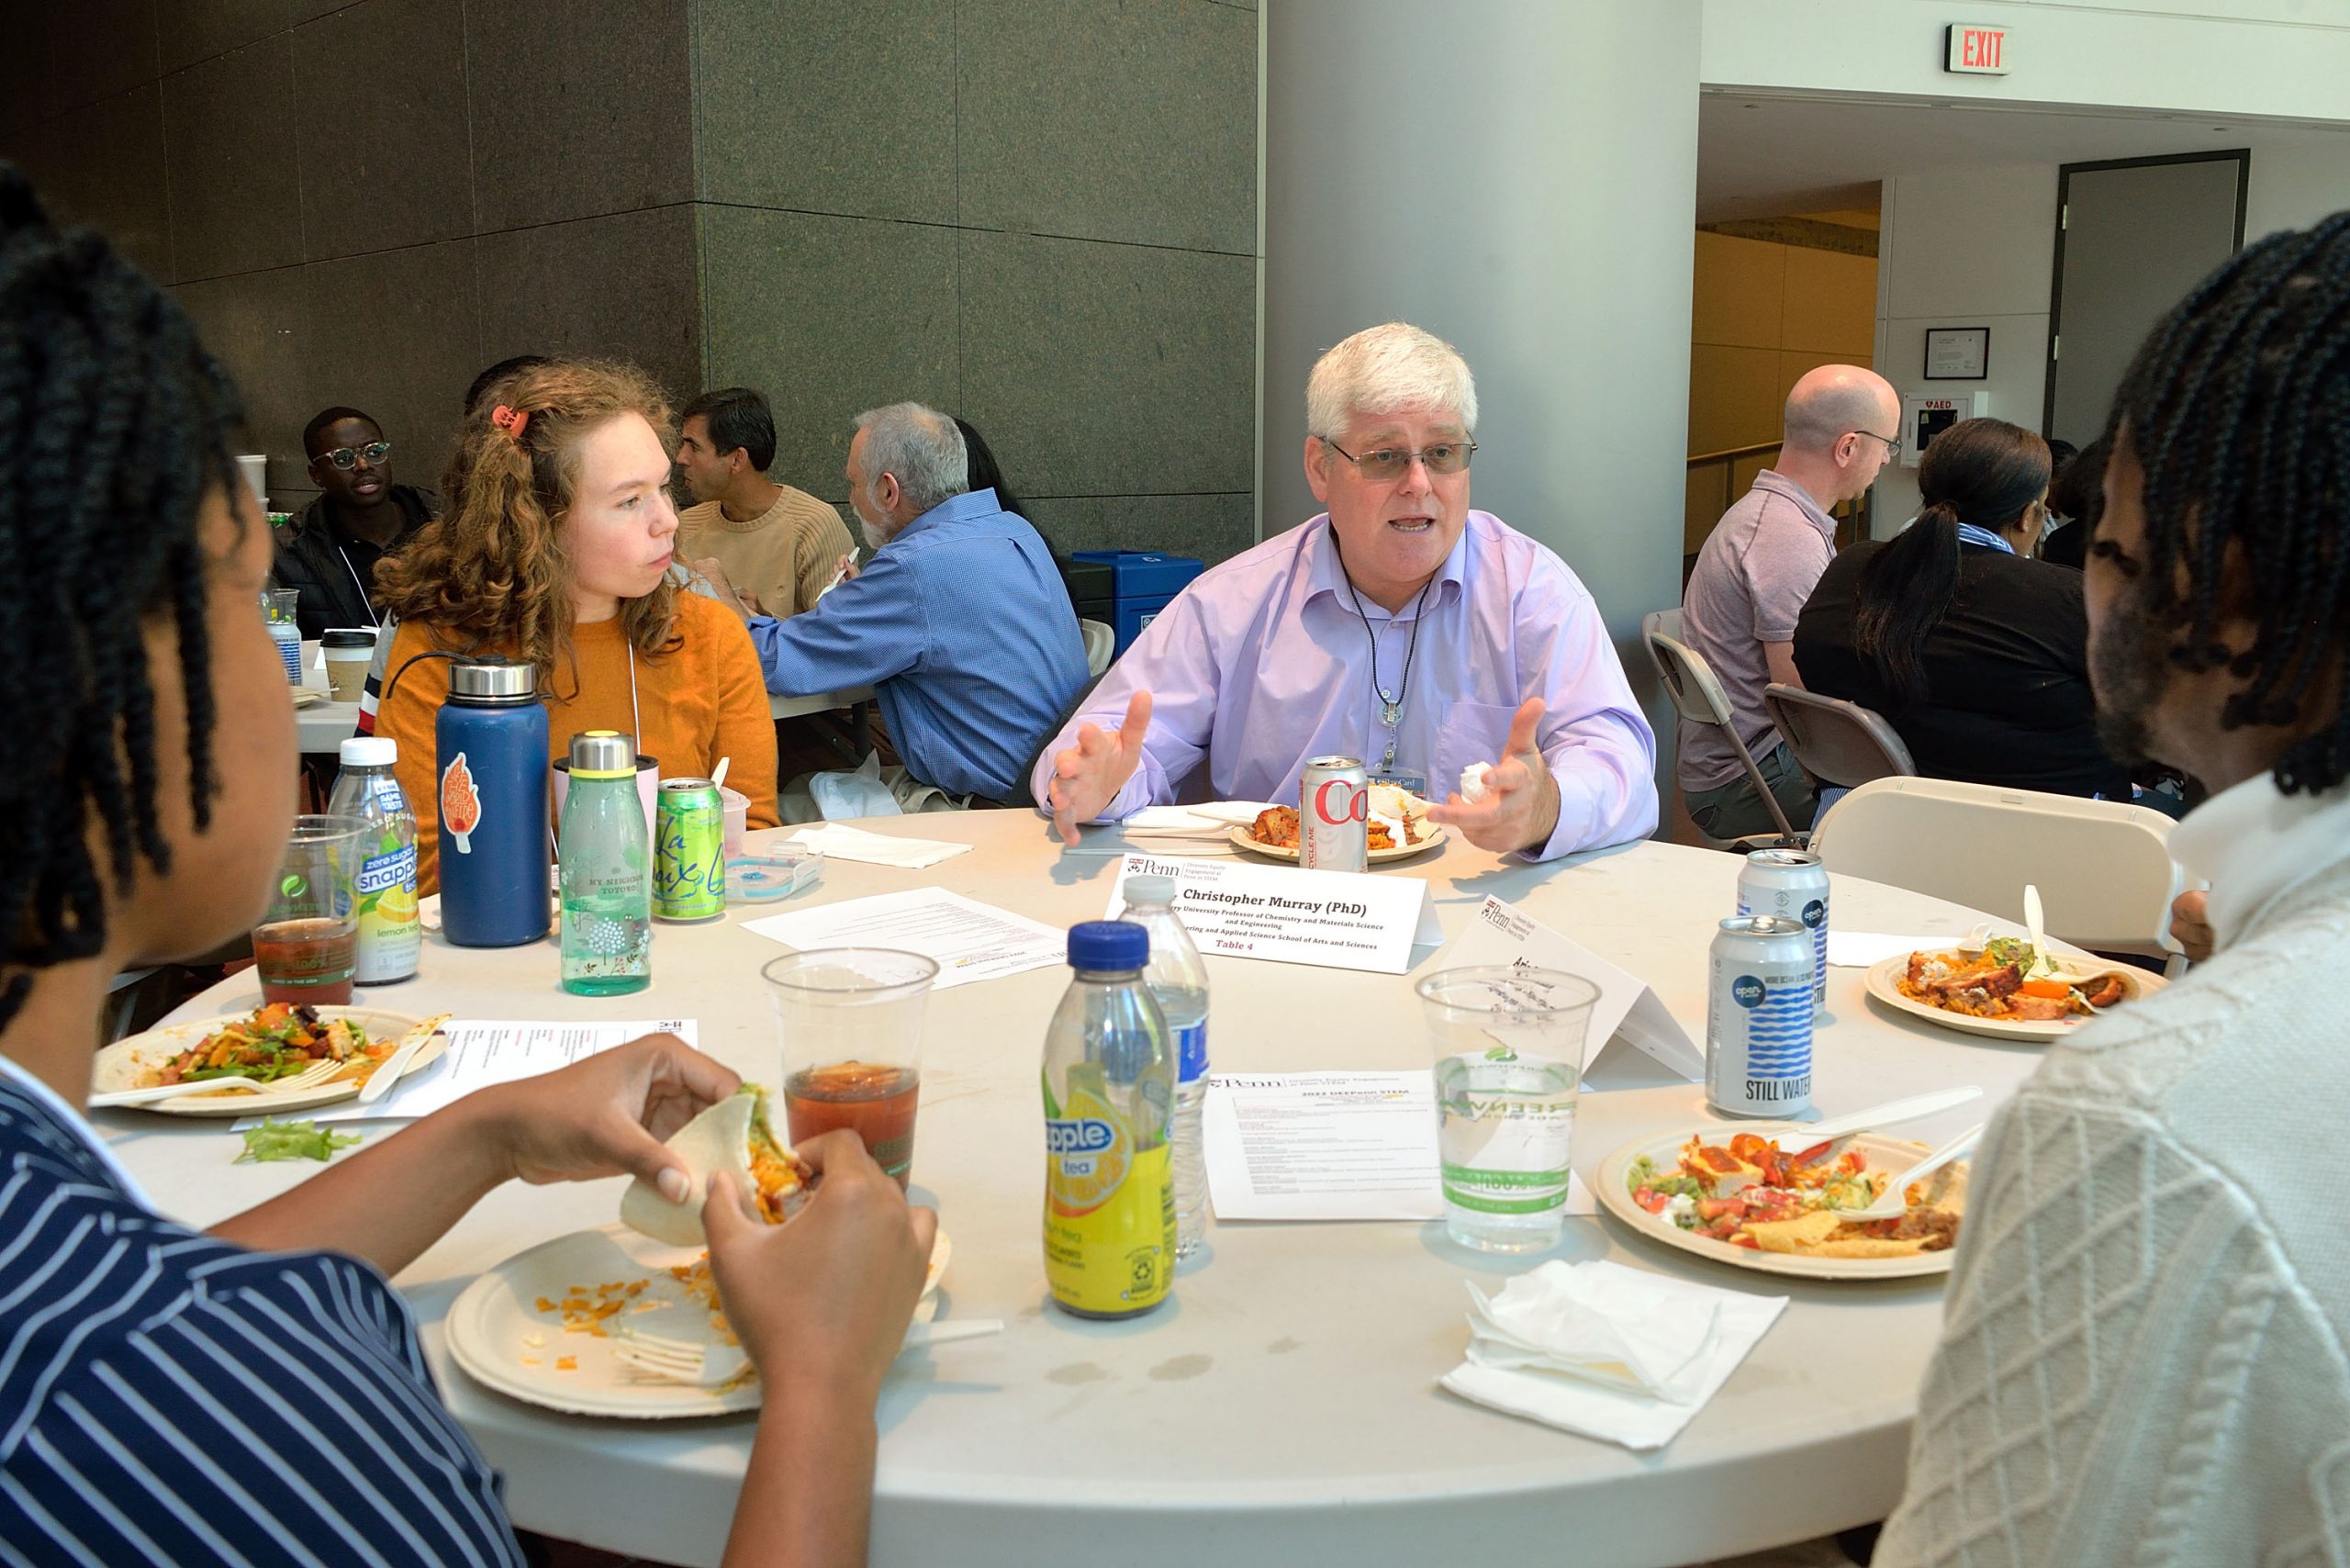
column 1038, row 213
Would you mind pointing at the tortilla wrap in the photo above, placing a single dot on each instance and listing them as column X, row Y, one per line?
column 732, row 1136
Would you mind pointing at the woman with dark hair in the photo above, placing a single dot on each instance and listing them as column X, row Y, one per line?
column 1975, row 652
column 985, row 473
column 256, row 1392
column 2075, row 496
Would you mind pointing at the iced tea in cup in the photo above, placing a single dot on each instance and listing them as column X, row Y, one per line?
column 306, row 945
column 850, row 1020
column 1508, row 1044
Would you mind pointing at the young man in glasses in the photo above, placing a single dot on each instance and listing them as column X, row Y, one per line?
column 1757, row 568
column 1455, row 655
column 330, row 550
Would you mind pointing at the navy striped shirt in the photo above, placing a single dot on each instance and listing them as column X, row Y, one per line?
column 167, row 1397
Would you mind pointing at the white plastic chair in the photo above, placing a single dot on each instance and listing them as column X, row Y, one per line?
column 1099, row 642
column 2103, row 868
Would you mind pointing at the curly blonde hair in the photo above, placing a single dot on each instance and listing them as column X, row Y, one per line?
column 492, row 573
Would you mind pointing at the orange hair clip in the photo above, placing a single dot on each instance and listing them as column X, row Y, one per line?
column 511, row 420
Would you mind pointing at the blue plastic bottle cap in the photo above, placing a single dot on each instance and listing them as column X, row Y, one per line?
column 1107, row 945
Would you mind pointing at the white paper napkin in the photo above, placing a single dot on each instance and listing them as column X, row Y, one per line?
column 1607, row 1351
column 845, row 843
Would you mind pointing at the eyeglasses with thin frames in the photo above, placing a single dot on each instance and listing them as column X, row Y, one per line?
column 347, row 457
column 1383, row 464
column 1892, row 444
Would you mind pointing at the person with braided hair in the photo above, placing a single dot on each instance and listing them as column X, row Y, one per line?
column 144, row 1417
column 2147, row 1357
column 557, row 550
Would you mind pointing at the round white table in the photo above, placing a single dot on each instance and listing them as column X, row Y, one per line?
column 1283, row 1409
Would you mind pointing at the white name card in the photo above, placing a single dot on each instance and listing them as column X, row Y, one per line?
column 1333, row 919
column 1501, row 932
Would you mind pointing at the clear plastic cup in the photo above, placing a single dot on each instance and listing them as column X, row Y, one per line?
column 851, row 1020
column 307, row 945
column 1508, row 1044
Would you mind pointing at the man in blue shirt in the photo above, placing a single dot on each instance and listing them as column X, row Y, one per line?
column 960, row 622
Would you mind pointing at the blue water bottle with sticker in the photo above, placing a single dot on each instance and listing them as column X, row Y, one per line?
column 490, row 738
column 1179, row 982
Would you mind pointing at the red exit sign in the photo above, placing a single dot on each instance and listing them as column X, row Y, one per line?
column 1977, row 51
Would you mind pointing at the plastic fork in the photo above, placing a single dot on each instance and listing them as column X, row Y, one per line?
column 659, row 1357
column 1891, row 1204
column 316, row 1073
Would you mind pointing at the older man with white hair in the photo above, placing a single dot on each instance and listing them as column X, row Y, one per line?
column 1842, row 425
column 1438, row 643
column 959, row 623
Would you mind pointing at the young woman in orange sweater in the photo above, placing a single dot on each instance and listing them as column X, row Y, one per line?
column 556, row 552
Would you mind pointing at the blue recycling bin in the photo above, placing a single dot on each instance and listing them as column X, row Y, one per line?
column 1143, row 582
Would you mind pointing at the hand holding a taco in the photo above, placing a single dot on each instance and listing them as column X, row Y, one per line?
column 834, row 1289
column 608, row 1115
column 821, row 1305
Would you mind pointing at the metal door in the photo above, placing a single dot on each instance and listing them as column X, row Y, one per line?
column 2132, row 236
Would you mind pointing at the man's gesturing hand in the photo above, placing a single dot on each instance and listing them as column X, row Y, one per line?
column 1088, row 775
column 1520, row 806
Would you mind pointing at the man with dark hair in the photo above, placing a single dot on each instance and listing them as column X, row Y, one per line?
column 330, row 551
column 496, row 376
column 776, row 547
column 2143, row 1360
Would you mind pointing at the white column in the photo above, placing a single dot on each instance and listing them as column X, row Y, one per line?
column 1519, row 177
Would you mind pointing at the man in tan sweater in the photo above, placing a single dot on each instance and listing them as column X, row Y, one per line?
column 2147, row 1357
column 776, row 547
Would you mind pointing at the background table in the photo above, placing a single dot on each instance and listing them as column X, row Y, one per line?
column 1282, row 1409
column 324, row 726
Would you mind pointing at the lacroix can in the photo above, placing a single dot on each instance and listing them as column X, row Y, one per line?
column 688, row 851
column 1334, row 815
column 1758, row 1017
column 1792, row 885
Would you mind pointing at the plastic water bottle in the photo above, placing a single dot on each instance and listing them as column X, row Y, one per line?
column 607, row 859
column 1109, row 1077
column 490, row 738
column 391, row 937
column 277, row 608
column 1179, row 983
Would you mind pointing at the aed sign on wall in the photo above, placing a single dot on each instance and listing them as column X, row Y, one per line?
column 1977, row 51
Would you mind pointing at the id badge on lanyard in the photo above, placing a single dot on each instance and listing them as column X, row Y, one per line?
column 1409, row 780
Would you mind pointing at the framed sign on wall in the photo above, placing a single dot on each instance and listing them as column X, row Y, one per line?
column 1958, row 354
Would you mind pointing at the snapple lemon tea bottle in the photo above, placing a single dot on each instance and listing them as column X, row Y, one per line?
column 1109, row 1077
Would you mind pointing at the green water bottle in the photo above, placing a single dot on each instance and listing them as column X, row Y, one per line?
column 606, row 863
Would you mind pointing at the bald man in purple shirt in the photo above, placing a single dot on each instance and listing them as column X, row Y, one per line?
column 1438, row 644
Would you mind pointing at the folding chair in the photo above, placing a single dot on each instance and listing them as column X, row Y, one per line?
column 2103, row 868
column 1697, row 694
column 1836, row 741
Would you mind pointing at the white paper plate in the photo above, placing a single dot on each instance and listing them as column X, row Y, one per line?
column 1885, row 975
column 1664, row 1148
column 1244, row 839
column 120, row 1064
column 494, row 1321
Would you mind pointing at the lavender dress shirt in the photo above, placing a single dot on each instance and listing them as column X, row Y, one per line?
column 1262, row 663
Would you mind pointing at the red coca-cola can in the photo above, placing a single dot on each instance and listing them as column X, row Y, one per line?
column 1334, row 815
